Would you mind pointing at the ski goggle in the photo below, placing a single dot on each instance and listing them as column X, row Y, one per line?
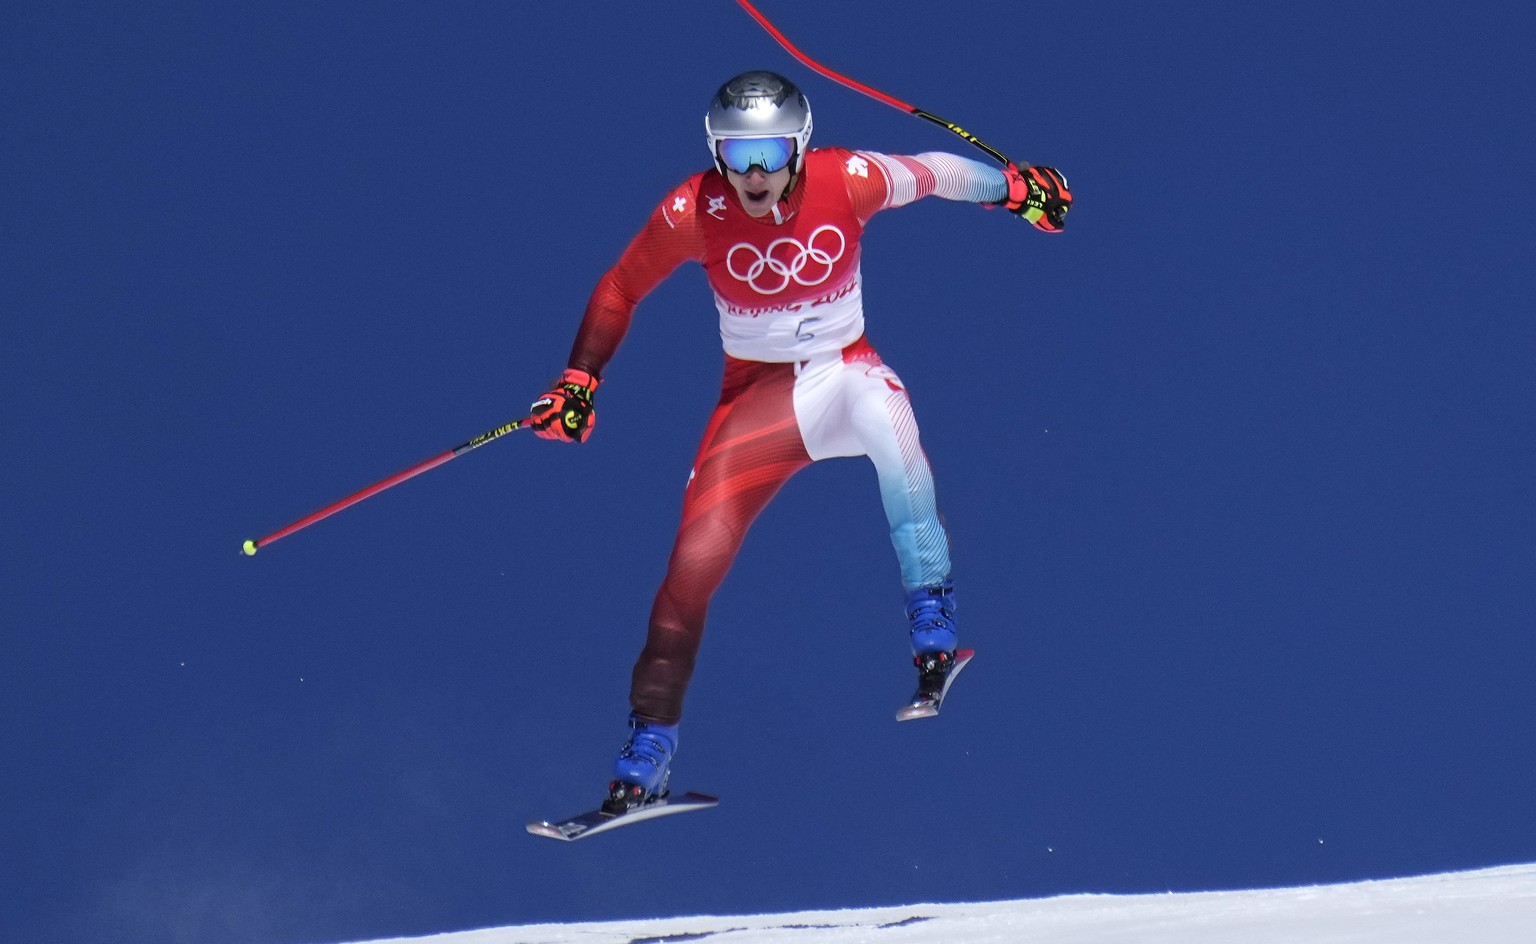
column 742, row 154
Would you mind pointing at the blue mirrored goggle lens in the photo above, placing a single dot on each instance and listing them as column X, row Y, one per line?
column 771, row 154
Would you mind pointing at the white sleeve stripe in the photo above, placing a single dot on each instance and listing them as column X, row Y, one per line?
column 901, row 183
column 948, row 176
column 960, row 178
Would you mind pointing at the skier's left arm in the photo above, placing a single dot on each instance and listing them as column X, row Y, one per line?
column 880, row 181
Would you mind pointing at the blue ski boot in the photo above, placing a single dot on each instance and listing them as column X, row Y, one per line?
column 931, row 611
column 640, row 774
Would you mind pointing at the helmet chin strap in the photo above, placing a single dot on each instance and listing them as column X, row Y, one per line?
column 789, row 188
column 781, row 210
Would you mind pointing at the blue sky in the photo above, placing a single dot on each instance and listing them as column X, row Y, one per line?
column 1238, row 470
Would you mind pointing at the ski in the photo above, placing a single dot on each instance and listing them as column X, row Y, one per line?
column 926, row 704
column 597, row 821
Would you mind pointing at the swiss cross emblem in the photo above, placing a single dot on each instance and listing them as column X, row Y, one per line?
column 679, row 204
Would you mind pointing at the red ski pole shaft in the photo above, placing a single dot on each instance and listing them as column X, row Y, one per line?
column 251, row 547
column 876, row 94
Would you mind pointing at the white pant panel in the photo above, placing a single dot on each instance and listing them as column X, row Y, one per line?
column 862, row 409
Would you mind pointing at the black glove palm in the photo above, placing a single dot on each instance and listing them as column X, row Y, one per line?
column 565, row 413
column 1039, row 195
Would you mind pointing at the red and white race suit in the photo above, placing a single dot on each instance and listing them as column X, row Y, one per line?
column 801, row 382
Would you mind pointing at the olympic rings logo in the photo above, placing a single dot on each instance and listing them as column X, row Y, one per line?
column 787, row 260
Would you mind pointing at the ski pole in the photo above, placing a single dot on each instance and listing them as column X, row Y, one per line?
column 251, row 547
column 876, row 94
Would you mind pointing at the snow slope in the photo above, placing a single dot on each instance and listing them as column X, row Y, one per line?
column 1490, row 906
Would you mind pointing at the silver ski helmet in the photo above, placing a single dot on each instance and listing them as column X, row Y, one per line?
column 759, row 106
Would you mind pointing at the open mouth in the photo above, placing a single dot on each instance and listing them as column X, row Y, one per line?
column 757, row 196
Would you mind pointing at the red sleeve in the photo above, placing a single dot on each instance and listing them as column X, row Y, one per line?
column 878, row 182
column 866, row 186
column 670, row 237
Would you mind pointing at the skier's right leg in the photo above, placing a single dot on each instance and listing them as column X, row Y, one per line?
column 643, row 766
column 750, row 449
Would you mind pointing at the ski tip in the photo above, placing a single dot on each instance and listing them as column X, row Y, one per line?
column 249, row 548
column 597, row 821
column 548, row 830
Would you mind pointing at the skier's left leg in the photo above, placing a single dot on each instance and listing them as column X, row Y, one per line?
column 887, row 431
column 864, row 410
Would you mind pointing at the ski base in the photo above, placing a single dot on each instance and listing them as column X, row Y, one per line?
column 926, row 706
column 597, row 821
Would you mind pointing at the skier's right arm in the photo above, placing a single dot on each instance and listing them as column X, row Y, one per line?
column 670, row 237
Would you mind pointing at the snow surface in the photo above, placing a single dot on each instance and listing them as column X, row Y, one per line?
column 1489, row 906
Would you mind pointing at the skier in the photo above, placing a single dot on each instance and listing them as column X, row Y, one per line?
column 776, row 227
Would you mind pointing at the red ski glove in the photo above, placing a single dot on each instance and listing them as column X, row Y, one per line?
column 1039, row 195
column 565, row 413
